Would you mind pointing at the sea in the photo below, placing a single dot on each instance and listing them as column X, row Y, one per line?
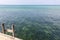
column 36, row 15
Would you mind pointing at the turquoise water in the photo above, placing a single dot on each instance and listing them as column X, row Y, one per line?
column 37, row 19
column 16, row 14
column 27, row 6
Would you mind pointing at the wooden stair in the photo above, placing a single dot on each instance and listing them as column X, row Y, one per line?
column 7, row 37
column 4, row 36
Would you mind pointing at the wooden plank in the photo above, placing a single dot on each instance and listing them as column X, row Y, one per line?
column 7, row 37
column 9, row 30
column 4, row 36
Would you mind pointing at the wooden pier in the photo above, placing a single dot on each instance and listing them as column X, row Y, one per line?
column 4, row 36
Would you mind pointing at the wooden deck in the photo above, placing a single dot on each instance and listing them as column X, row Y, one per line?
column 7, row 37
column 4, row 36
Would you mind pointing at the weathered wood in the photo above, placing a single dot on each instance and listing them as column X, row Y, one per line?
column 7, row 37
column 4, row 36
column 9, row 30
column 13, row 30
column 3, row 28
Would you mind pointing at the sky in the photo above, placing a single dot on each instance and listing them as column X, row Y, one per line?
column 29, row 2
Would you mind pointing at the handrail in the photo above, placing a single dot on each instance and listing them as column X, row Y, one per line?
column 4, row 36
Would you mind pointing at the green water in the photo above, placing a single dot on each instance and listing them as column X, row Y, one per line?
column 32, row 22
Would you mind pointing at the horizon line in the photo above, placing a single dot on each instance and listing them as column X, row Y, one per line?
column 29, row 5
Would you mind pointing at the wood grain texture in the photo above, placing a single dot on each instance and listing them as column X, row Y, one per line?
column 7, row 37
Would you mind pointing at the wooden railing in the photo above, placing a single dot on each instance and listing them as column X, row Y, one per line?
column 4, row 36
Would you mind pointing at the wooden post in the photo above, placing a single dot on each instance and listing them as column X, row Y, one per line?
column 8, row 30
column 13, row 30
column 3, row 28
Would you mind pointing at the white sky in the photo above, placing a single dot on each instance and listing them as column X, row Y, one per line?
column 29, row 2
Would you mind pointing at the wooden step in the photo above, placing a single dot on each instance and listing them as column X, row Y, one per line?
column 7, row 37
